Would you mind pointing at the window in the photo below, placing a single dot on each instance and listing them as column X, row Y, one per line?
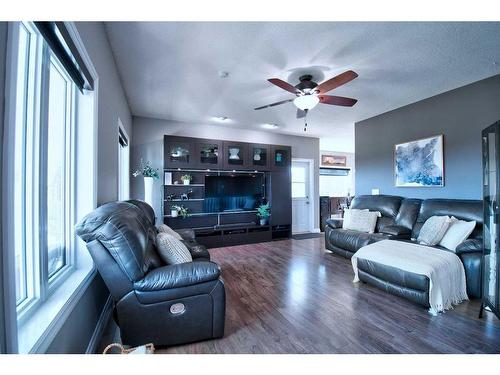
column 49, row 176
column 123, row 164
column 298, row 181
column 44, row 152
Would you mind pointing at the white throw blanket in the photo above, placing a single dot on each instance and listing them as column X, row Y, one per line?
column 444, row 269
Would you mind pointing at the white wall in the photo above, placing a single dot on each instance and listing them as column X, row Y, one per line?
column 338, row 186
column 147, row 143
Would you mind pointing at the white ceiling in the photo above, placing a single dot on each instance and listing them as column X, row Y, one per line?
column 170, row 70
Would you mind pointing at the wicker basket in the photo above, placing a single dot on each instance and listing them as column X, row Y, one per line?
column 144, row 349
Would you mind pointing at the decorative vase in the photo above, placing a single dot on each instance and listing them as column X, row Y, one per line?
column 256, row 155
column 148, row 190
column 186, row 182
column 174, row 213
column 263, row 221
column 233, row 153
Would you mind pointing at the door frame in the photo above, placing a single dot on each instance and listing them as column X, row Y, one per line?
column 312, row 196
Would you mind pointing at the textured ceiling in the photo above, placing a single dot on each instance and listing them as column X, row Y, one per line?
column 171, row 70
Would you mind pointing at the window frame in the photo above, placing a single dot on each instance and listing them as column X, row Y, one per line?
column 33, row 331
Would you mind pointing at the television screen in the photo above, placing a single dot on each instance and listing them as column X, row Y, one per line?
column 233, row 193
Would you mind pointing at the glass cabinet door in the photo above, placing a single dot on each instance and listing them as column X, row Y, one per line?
column 235, row 155
column 209, row 153
column 258, row 156
column 491, row 215
column 178, row 152
column 281, row 157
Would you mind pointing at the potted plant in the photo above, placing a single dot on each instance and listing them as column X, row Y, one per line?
column 263, row 212
column 150, row 174
column 186, row 179
column 183, row 211
column 174, row 210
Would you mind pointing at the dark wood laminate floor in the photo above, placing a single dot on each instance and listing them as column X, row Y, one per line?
column 292, row 296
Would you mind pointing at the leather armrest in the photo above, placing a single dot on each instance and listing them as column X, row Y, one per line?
column 186, row 234
column 334, row 223
column 178, row 275
column 472, row 245
column 395, row 230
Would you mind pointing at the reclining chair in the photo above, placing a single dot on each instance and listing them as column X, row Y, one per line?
column 154, row 302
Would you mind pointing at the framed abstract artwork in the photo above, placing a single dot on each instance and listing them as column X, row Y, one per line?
column 419, row 163
column 333, row 160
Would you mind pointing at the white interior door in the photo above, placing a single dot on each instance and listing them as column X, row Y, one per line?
column 301, row 205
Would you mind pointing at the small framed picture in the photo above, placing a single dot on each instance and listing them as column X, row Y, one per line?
column 333, row 160
column 168, row 178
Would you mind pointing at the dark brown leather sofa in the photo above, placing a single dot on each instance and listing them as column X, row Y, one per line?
column 154, row 302
column 402, row 218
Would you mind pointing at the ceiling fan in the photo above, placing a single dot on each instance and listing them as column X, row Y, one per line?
column 308, row 93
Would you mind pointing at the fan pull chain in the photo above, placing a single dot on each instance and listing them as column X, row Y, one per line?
column 305, row 121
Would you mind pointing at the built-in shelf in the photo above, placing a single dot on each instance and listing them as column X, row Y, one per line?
column 217, row 213
column 185, row 200
column 184, row 185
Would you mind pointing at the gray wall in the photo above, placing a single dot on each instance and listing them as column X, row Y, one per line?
column 112, row 105
column 147, row 143
column 459, row 115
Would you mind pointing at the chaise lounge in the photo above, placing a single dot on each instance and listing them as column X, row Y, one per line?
column 402, row 219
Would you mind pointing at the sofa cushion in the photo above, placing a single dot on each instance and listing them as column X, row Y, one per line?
column 433, row 230
column 352, row 240
column 387, row 205
column 457, row 233
column 172, row 250
column 163, row 228
column 362, row 220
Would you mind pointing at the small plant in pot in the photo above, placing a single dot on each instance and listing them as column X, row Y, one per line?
column 186, row 179
column 174, row 210
column 183, row 212
column 263, row 212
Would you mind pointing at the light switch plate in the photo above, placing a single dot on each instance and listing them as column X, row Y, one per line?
column 375, row 191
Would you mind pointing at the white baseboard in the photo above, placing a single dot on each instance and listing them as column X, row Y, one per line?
column 100, row 326
column 316, row 230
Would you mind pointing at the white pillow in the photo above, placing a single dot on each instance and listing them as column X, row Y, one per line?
column 363, row 220
column 457, row 233
column 347, row 217
column 163, row 228
column 433, row 230
column 171, row 250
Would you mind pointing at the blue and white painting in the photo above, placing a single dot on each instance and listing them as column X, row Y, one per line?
column 420, row 163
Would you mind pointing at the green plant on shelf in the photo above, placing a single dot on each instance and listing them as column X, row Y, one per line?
column 186, row 177
column 146, row 170
column 183, row 211
column 263, row 211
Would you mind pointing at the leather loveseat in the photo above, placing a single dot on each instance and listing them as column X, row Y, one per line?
column 154, row 302
column 402, row 218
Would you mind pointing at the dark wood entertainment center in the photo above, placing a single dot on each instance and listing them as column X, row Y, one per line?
column 211, row 157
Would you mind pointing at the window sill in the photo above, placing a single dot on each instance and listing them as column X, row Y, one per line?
column 37, row 332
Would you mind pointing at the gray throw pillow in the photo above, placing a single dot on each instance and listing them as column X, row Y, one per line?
column 163, row 228
column 433, row 230
column 171, row 250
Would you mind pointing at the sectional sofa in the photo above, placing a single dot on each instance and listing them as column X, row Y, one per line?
column 402, row 218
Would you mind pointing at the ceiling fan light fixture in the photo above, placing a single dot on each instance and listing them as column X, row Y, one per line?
column 306, row 102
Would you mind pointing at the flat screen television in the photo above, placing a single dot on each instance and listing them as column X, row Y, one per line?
column 233, row 192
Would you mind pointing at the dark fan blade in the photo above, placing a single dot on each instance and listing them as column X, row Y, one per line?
column 301, row 113
column 337, row 81
column 284, row 85
column 337, row 100
column 273, row 104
